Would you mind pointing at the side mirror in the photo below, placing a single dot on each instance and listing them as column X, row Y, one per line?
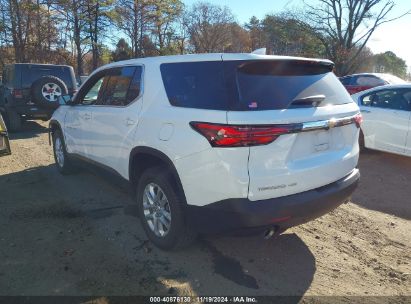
column 65, row 100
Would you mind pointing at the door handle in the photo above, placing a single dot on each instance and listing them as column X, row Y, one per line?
column 365, row 111
column 130, row 122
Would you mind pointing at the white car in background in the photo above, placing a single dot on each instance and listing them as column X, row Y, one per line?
column 387, row 118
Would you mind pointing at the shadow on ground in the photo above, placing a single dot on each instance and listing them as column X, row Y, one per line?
column 385, row 183
column 85, row 232
column 29, row 129
column 281, row 266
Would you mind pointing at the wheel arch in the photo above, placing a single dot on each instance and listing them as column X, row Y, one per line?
column 142, row 158
column 53, row 126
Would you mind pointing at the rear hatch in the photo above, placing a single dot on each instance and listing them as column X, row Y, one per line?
column 305, row 100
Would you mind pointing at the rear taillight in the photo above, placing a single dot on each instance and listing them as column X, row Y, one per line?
column 220, row 135
column 17, row 93
column 358, row 120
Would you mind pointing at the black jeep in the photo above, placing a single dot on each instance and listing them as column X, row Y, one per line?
column 31, row 91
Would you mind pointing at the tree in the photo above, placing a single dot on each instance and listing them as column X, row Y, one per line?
column 97, row 19
column 132, row 18
column 15, row 22
column 122, row 51
column 30, row 27
column 240, row 40
column 209, row 27
column 74, row 14
column 345, row 26
column 364, row 62
column 388, row 62
column 156, row 20
column 164, row 15
column 284, row 34
column 256, row 31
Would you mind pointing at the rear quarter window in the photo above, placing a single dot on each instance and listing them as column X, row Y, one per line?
column 346, row 81
column 197, row 85
column 369, row 81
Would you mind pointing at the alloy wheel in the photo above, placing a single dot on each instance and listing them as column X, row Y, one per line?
column 156, row 208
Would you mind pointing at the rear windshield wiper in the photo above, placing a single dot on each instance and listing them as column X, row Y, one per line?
column 307, row 102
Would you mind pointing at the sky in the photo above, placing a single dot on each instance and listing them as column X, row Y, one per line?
column 393, row 36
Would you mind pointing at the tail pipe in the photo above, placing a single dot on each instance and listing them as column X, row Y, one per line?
column 272, row 231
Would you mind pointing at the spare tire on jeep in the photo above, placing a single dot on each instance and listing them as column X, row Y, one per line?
column 46, row 90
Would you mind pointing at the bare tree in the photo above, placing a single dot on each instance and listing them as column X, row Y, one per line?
column 16, row 23
column 74, row 12
column 165, row 14
column 257, row 35
column 132, row 18
column 182, row 35
column 209, row 27
column 97, row 19
column 141, row 20
column 240, row 40
column 345, row 26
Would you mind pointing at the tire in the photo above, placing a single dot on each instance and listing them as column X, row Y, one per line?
column 46, row 90
column 63, row 163
column 13, row 121
column 178, row 235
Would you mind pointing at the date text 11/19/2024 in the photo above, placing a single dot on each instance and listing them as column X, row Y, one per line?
column 203, row 299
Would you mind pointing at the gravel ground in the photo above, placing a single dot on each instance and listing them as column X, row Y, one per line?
column 79, row 235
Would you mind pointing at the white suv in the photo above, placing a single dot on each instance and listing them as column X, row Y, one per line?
column 216, row 142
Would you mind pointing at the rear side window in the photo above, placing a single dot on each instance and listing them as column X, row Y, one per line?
column 195, row 84
column 249, row 85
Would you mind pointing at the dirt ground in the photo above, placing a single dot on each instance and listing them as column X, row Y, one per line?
column 79, row 235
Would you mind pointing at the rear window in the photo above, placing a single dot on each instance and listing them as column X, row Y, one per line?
column 391, row 79
column 249, row 85
column 368, row 81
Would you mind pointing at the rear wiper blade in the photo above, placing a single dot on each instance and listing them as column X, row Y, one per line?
column 310, row 101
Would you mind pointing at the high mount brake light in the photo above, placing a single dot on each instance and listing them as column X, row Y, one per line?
column 220, row 135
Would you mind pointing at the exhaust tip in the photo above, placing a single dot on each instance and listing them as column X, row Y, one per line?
column 270, row 232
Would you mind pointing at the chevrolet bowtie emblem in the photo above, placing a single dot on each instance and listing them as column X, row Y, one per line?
column 332, row 123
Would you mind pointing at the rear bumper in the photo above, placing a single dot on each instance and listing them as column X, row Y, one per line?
column 240, row 215
column 31, row 111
